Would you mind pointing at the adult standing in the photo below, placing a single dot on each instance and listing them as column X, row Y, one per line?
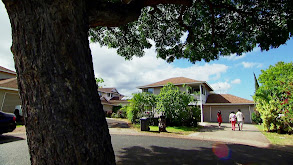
column 240, row 119
column 232, row 118
column 219, row 118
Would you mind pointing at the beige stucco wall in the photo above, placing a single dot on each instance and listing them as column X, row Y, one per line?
column 8, row 100
column 107, row 108
column 210, row 112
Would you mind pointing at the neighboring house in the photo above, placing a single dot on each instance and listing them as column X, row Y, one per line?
column 9, row 95
column 110, row 97
column 207, row 100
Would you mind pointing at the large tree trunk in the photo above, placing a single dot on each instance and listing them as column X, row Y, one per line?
column 64, row 118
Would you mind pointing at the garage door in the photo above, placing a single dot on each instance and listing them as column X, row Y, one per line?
column 226, row 110
column 10, row 101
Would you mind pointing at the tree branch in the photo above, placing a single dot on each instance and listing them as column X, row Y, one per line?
column 118, row 14
column 212, row 20
column 112, row 14
column 175, row 2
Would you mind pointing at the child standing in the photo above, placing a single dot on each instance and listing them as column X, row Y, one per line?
column 232, row 118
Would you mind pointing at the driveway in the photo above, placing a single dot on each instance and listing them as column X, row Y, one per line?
column 250, row 135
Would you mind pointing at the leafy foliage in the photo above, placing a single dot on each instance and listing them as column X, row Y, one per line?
column 174, row 105
column 205, row 30
column 99, row 81
column 274, row 97
column 140, row 103
column 256, row 118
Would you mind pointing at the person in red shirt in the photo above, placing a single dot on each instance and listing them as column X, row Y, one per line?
column 219, row 118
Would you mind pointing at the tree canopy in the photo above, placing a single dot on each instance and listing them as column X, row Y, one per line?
column 194, row 29
column 274, row 97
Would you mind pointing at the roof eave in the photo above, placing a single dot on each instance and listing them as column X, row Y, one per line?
column 11, row 89
column 8, row 72
column 151, row 86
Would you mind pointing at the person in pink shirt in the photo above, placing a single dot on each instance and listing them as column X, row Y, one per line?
column 232, row 118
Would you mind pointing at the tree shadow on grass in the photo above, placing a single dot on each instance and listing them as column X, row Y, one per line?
column 229, row 154
column 9, row 138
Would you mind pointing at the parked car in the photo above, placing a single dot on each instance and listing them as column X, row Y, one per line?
column 7, row 122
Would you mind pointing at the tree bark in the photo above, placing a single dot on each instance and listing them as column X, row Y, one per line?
column 64, row 118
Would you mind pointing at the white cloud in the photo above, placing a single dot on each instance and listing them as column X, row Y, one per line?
column 127, row 75
column 5, row 40
column 234, row 57
column 221, row 87
column 236, row 81
column 251, row 64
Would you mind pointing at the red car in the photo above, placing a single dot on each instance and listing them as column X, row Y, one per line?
column 7, row 122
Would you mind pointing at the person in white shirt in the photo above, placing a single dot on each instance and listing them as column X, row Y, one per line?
column 232, row 118
column 240, row 119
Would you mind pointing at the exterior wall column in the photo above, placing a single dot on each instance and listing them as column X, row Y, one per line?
column 250, row 114
column 3, row 101
column 210, row 113
column 201, row 108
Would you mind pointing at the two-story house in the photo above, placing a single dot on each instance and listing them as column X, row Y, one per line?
column 110, row 97
column 208, row 101
column 9, row 95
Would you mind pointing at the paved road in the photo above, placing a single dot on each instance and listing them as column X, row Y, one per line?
column 131, row 149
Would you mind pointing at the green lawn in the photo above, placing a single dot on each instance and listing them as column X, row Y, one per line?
column 277, row 139
column 176, row 130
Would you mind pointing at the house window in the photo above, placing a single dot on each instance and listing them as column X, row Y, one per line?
column 193, row 90
column 109, row 94
column 144, row 90
column 151, row 90
column 203, row 90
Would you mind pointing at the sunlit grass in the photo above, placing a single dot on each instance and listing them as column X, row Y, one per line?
column 275, row 138
column 183, row 130
column 176, row 130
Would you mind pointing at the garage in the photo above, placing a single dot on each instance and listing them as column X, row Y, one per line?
column 9, row 101
column 212, row 110
column 226, row 103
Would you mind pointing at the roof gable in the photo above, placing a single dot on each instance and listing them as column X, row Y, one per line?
column 108, row 90
column 227, row 98
column 175, row 81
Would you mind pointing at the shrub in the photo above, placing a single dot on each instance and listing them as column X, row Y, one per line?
column 115, row 109
column 255, row 116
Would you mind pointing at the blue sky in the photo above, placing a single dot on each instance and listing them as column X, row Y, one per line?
column 232, row 74
column 243, row 67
